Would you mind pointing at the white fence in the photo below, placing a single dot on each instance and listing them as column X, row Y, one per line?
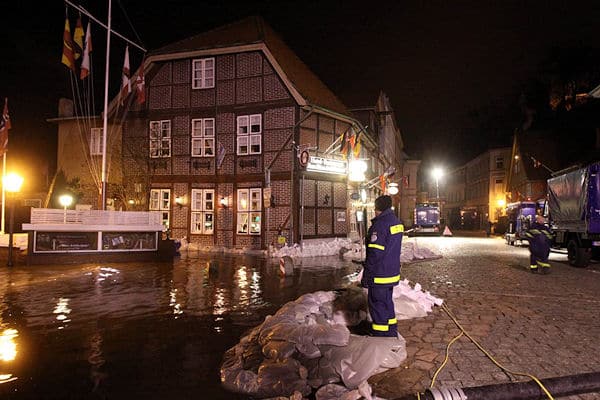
column 51, row 216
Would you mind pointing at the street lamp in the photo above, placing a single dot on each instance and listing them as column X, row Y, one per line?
column 65, row 200
column 12, row 184
column 437, row 173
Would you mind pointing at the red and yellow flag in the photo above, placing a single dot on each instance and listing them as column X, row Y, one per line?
column 78, row 40
column 67, row 54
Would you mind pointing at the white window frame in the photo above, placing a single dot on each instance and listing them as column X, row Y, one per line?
column 499, row 162
column 160, row 200
column 203, row 137
column 160, row 139
column 249, row 134
column 203, row 73
column 249, row 211
column 96, row 141
column 203, row 211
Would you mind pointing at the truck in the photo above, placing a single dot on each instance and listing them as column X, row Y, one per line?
column 573, row 211
column 427, row 219
column 520, row 214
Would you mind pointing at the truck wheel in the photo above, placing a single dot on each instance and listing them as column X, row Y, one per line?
column 578, row 256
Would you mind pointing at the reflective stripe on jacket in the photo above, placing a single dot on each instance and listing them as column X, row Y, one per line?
column 384, row 240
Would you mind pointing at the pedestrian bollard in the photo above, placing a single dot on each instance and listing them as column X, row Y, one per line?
column 286, row 266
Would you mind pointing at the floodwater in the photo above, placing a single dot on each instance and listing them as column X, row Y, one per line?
column 139, row 330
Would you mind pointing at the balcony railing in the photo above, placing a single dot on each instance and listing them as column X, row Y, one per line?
column 51, row 216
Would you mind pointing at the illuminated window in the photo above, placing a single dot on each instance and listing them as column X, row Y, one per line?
column 203, row 137
column 160, row 139
column 249, row 216
column 249, row 134
column 160, row 200
column 203, row 73
column 96, row 141
column 203, row 206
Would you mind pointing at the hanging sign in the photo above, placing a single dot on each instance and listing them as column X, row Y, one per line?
column 327, row 165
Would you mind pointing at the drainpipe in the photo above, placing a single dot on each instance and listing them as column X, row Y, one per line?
column 558, row 387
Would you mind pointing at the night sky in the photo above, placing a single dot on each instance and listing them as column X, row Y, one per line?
column 449, row 67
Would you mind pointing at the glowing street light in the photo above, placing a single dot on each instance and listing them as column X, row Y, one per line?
column 356, row 170
column 65, row 200
column 12, row 184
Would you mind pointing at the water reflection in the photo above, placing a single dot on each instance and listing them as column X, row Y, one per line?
column 8, row 345
column 133, row 330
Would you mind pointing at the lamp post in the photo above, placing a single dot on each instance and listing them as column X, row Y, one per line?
column 12, row 184
column 437, row 173
column 65, row 200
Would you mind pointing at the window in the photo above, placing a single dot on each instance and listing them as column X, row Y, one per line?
column 249, row 134
column 160, row 200
column 499, row 162
column 203, row 206
column 160, row 139
column 96, row 141
column 203, row 137
column 249, row 205
column 203, row 73
column 499, row 186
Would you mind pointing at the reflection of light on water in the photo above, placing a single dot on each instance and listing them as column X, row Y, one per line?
column 173, row 303
column 5, row 378
column 219, row 302
column 255, row 286
column 242, row 281
column 8, row 346
column 62, row 309
column 96, row 360
column 107, row 272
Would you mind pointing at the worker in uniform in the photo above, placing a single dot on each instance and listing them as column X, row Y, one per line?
column 382, row 267
column 539, row 237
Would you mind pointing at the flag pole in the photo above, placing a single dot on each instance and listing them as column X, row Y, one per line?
column 105, row 116
column 3, row 193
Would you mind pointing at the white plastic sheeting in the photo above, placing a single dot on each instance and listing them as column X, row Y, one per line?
column 306, row 345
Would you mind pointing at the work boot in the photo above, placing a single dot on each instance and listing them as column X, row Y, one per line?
column 533, row 268
column 545, row 270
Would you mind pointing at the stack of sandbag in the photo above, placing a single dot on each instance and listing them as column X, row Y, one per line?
column 302, row 348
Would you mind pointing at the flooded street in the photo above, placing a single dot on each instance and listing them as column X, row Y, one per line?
column 139, row 330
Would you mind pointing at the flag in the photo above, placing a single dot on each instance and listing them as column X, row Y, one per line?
column 356, row 147
column 4, row 127
column 140, row 85
column 382, row 181
column 357, row 150
column 67, row 54
column 85, row 63
column 78, row 40
column 344, row 144
column 126, row 81
column 405, row 181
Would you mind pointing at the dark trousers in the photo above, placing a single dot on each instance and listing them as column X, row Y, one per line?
column 538, row 255
column 381, row 308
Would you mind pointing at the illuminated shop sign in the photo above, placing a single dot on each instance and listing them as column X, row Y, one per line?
column 327, row 165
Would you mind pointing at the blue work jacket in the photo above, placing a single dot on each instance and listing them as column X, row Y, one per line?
column 384, row 239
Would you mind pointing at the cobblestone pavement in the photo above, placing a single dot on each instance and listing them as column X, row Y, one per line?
column 543, row 325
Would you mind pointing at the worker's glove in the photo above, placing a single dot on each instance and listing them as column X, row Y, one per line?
column 364, row 281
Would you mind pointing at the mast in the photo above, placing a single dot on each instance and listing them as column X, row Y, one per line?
column 106, row 79
column 105, row 116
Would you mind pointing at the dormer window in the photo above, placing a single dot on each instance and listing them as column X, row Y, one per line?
column 203, row 73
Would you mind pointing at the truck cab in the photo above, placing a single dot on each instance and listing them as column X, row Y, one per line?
column 520, row 216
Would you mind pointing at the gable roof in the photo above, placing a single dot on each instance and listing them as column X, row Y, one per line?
column 255, row 31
